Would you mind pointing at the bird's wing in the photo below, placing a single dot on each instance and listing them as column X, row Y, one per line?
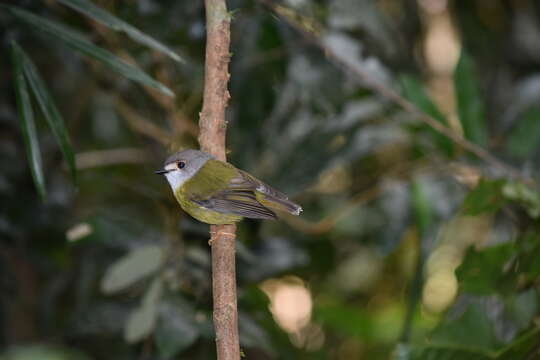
column 248, row 182
column 234, row 193
column 265, row 194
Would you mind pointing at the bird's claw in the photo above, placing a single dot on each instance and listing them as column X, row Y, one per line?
column 219, row 234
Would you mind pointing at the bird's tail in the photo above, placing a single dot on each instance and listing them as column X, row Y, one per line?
column 279, row 204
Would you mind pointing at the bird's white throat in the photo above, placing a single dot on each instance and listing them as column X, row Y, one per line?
column 177, row 179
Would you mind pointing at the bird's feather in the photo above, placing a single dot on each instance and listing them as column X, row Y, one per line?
column 238, row 193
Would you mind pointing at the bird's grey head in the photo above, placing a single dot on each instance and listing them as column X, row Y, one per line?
column 182, row 165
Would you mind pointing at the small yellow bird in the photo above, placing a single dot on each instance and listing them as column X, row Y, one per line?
column 215, row 192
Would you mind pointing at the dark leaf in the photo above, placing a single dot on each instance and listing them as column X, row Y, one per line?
column 469, row 101
column 106, row 18
column 347, row 320
column 77, row 42
column 414, row 92
column 485, row 197
column 26, row 119
column 525, row 138
column 521, row 348
column 529, row 254
column 472, row 330
column 50, row 111
column 421, row 206
column 481, row 271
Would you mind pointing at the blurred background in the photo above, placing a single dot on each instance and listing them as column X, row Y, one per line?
column 408, row 246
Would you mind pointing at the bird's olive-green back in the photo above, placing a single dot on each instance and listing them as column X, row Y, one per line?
column 212, row 177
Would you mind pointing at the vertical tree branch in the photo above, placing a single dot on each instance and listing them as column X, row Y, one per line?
column 212, row 140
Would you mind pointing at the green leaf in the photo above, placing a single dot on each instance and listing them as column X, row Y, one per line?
column 106, row 18
column 131, row 268
column 77, row 42
column 348, row 320
column 142, row 321
column 481, row 271
column 472, row 330
column 470, row 105
column 50, row 111
column 485, row 197
column 470, row 336
column 413, row 91
column 176, row 328
column 525, row 195
column 382, row 325
column 519, row 349
column 421, row 206
column 529, row 253
column 524, row 140
column 26, row 120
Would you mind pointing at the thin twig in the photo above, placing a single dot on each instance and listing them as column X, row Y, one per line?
column 138, row 123
column 312, row 33
column 98, row 158
column 327, row 223
column 212, row 126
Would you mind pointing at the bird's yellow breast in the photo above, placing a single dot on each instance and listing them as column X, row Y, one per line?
column 202, row 214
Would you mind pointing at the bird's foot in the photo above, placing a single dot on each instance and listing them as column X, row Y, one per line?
column 218, row 234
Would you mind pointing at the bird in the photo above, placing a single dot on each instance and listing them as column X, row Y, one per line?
column 217, row 193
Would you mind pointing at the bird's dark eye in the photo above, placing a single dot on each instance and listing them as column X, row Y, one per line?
column 181, row 164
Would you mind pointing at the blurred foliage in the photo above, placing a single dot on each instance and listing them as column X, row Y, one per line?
column 408, row 248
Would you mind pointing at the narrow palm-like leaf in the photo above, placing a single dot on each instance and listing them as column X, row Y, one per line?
column 470, row 105
column 106, row 18
column 421, row 207
column 49, row 110
column 78, row 42
column 26, row 120
column 414, row 92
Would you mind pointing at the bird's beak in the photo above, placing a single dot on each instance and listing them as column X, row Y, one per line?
column 161, row 172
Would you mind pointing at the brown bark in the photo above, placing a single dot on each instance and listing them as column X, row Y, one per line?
column 212, row 126
column 224, row 293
